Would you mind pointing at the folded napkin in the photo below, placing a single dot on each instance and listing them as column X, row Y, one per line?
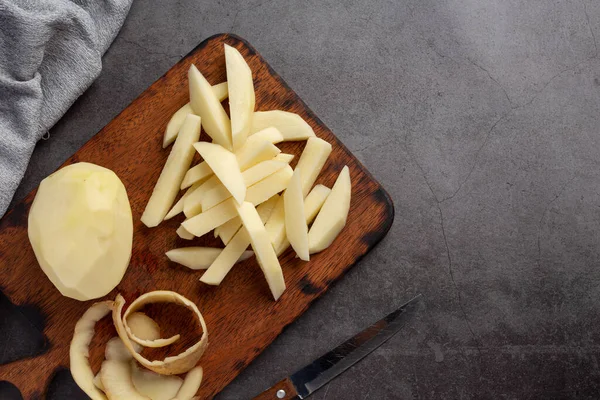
column 50, row 53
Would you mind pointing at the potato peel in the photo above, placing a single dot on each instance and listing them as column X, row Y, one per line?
column 144, row 330
column 79, row 349
column 153, row 385
column 117, row 381
column 172, row 365
column 191, row 384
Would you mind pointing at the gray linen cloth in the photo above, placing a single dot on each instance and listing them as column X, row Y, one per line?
column 50, row 53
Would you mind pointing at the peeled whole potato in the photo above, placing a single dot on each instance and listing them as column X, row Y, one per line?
column 81, row 230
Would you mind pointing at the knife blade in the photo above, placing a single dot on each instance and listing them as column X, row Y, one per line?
column 310, row 378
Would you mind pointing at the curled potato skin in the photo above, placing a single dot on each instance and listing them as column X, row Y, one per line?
column 146, row 342
column 172, row 365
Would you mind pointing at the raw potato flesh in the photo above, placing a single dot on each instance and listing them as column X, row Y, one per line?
column 79, row 349
column 197, row 174
column 178, row 207
column 172, row 365
column 223, row 212
column 295, row 220
column 117, row 382
column 115, row 350
column 251, row 176
column 333, row 215
column 235, row 248
column 241, row 95
column 171, row 176
column 81, row 230
column 275, row 226
column 265, row 254
column 177, row 119
column 312, row 204
column 229, row 229
column 200, row 257
column 249, row 154
column 291, row 125
column 225, row 167
column 286, row 158
column 184, row 234
column 153, row 385
column 311, row 162
column 191, row 384
column 206, row 104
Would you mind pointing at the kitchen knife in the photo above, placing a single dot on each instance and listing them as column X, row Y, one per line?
column 305, row 381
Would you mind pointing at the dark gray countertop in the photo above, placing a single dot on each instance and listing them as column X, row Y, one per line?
column 482, row 120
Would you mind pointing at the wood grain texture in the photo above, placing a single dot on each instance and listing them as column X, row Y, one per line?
column 289, row 391
column 241, row 316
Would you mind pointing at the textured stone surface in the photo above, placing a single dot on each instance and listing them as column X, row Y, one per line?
column 482, row 120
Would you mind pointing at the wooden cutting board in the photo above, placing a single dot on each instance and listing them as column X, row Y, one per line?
column 241, row 316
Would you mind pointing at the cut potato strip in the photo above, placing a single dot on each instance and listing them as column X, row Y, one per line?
column 79, row 349
column 291, row 125
column 197, row 174
column 265, row 255
column 117, row 382
column 172, row 365
column 206, row 104
column 221, row 90
column 311, row 162
column 241, row 95
column 225, row 167
column 170, row 178
column 229, row 229
column 207, row 221
column 191, row 384
column 153, row 385
column 251, row 176
column 178, row 207
column 200, row 257
column 174, row 125
column 255, row 151
column 333, row 215
column 275, row 226
column 312, row 204
column 184, row 234
column 192, row 205
column 296, row 229
column 223, row 212
column 287, row 158
column 235, row 248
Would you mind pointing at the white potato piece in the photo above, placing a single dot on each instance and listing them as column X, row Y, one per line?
column 79, row 351
column 170, row 178
column 265, row 254
column 206, row 104
column 291, row 125
column 174, row 125
column 287, row 158
column 153, row 385
column 241, row 95
column 178, row 207
column 210, row 219
column 296, row 229
column 235, row 248
column 197, row 174
column 81, row 230
column 254, row 152
column 312, row 204
column 221, row 90
column 184, row 234
column 191, row 384
column 252, row 175
column 192, row 205
column 275, row 226
column 229, row 229
column 225, row 167
column 255, row 194
column 311, row 162
column 117, row 382
column 200, row 257
column 333, row 215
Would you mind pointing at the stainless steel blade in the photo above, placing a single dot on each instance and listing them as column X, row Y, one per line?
column 325, row 368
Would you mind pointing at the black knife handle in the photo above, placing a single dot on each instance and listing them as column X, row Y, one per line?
column 282, row 390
